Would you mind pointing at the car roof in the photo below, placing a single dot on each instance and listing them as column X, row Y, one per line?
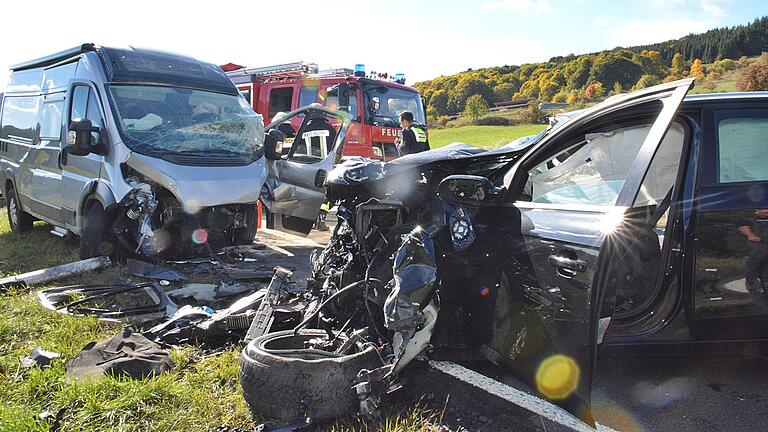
column 719, row 97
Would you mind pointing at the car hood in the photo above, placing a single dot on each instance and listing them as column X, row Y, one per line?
column 455, row 157
column 198, row 187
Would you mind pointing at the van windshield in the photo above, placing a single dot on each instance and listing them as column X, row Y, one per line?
column 157, row 119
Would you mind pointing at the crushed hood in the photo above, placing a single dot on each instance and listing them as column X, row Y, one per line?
column 198, row 187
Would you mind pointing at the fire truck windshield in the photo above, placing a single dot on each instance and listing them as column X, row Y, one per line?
column 160, row 119
column 384, row 104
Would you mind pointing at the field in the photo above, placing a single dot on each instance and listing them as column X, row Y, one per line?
column 481, row 136
column 201, row 393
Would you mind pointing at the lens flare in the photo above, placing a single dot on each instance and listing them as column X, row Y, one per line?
column 200, row 236
column 557, row 377
column 484, row 291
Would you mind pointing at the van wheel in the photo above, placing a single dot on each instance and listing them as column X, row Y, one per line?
column 92, row 239
column 246, row 235
column 19, row 220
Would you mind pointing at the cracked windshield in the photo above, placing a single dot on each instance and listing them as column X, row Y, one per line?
column 158, row 120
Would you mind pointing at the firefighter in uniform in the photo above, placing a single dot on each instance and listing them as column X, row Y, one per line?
column 414, row 137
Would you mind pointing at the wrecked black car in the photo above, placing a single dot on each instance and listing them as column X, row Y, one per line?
column 600, row 231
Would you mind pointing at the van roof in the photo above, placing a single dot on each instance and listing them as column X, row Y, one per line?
column 132, row 65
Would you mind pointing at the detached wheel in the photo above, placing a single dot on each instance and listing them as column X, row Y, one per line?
column 246, row 235
column 93, row 241
column 19, row 220
column 283, row 380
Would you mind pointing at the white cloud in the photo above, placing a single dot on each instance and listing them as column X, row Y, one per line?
column 711, row 8
column 641, row 31
column 522, row 6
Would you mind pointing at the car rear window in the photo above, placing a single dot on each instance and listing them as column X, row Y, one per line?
column 742, row 145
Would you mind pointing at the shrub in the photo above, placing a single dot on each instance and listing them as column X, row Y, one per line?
column 754, row 77
column 646, row 81
column 492, row 120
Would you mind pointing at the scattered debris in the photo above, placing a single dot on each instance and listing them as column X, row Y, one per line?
column 126, row 354
column 38, row 357
column 207, row 293
column 150, row 271
column 56, row 419
column 262, row 321
column 52, row 273
column 133, row 303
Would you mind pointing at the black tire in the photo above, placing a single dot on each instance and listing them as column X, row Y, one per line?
column 93, row 242
column 19, row 220
column 285, row 382
column 245, row 236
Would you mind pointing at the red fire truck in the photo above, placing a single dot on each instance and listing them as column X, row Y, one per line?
column 373, row 101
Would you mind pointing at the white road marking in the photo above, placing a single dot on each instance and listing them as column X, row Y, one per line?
column 520, row 398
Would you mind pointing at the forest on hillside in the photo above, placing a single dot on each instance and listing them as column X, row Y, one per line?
column 577, row 79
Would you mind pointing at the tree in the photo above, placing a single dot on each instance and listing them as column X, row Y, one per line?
column 754, row 77
column 468, row 86
column 617, row 88
column 612, row 67
column 476, row 107
column 439, row 102
column 678, row 65
column 646, row 81
column 594, row 91
column 697, row 70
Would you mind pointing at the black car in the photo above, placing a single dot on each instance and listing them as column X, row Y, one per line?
column 641, row 220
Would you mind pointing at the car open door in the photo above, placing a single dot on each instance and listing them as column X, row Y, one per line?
column 298, row 178
column 556, row 297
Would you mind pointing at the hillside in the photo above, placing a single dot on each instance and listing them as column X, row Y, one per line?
column 713, row 57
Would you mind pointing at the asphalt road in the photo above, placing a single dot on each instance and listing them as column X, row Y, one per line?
column 682, row 394
column 677, row 394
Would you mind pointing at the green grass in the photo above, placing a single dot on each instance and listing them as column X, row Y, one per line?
column 724, row 84
column 481, row 136
column 200, row 393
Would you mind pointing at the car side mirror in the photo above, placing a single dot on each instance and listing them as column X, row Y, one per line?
column 273, row 144
column 79, row 137
column 468, row 190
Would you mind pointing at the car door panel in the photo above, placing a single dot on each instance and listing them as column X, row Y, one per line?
column 299, row 192
column 559, row 287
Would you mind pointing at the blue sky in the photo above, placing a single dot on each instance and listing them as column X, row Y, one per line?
column 423, row 39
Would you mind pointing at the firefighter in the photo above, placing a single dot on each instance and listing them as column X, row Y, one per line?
column 414, row 137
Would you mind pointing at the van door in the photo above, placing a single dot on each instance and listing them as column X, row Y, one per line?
column 729, row 299
column 580, row 186
column 79, row 171
column 301, row 174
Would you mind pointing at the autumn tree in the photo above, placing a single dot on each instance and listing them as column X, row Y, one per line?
column 476, row 107
column 646, row 81
column 594, row 91
column 679, row 67
column 439, row 102
column 617, row 88
column 697, row 70
column 754, row 77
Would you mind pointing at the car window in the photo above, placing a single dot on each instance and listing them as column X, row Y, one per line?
column 314, row 139
column 307, row 96
column 592, row 171
column 79, row 102
column 20, row 117
column 280, row 100
column 662, row 173
column 742, row 146
column 51, row 118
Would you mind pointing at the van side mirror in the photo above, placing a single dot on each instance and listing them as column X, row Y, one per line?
column 79, row 137
column 273, row 144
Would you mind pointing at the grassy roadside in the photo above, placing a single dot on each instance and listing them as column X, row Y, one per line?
column 481, row 136
column 200, row 393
